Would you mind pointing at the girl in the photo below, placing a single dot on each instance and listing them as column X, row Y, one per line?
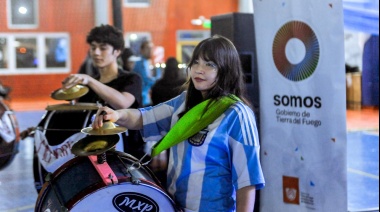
column 216, row 168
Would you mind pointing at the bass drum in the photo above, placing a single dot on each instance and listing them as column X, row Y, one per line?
column 78, row 185
column 54, row 136
column 9, row 135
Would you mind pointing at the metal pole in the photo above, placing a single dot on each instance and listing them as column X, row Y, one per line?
column 117, row 14
column 101, row 12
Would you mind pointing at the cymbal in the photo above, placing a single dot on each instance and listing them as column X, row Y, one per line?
column 94, row 145
column 108, row 128
column 76, row 106
column 69, row 94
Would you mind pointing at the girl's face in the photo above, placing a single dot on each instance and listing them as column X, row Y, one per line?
column 203, row 74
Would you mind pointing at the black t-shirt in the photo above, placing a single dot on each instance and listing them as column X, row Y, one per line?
column 125, row 82
column 164, row 90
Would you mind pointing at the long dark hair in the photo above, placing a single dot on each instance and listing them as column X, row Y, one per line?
column 171, row 72
column 230, row 76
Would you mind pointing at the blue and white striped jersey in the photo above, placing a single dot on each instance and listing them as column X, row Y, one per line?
column 206, row 170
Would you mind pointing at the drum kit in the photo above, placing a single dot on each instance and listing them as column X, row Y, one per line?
column 98, row 177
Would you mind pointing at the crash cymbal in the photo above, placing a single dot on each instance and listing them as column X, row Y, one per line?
column 76, row 106
column 108, row 128
column 94, row 145
column 70, row 94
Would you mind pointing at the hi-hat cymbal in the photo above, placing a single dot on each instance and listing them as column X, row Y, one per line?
column 94, row 145
column 76, row 106
column 108, row 129
column 69, row 94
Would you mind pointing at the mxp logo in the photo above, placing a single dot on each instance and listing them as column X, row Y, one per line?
column 134, row 202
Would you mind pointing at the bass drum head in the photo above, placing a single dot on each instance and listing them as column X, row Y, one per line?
column 9, row 135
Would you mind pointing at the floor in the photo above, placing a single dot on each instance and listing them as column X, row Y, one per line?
column 18, row 194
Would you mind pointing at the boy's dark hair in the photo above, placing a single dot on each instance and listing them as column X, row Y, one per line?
column 107, row 34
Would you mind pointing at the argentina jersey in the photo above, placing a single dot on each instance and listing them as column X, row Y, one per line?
column 206, row 170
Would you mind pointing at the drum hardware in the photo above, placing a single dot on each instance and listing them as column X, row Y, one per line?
column 48, row 179
column 102, row 158
column 55, row 129
column 131, row 172
column 103, row 169
column 95, row 148
column 70, row 93
column 30, row 131
column 73, row 106
column 133, row 169
column 27, row 132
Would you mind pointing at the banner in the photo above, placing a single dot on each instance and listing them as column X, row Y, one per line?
column 300, row 56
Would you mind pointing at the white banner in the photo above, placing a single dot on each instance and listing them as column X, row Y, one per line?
column 53, row 157
column 300, row 54
column 7, row 132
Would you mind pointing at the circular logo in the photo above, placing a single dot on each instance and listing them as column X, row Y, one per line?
column 295, row 51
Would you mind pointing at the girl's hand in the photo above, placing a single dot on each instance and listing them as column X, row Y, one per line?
column 104, row 114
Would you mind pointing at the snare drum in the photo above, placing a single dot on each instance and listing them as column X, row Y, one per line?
column 9, row 135
column 78, row 185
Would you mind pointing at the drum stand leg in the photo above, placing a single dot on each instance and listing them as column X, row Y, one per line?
column 48, row 179
column 102, row 158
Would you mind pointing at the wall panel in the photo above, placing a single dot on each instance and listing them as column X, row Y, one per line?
column 75, row 17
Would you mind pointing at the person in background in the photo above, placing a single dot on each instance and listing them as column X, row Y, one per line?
column 128, row 59
column 170, row 85
column 142, row 68
column 164, row 89
column 217, row 168
column 113, row 86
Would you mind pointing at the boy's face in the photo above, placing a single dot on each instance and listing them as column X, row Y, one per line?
column 103, row 54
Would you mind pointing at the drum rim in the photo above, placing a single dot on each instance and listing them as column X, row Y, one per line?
column 146, row 183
